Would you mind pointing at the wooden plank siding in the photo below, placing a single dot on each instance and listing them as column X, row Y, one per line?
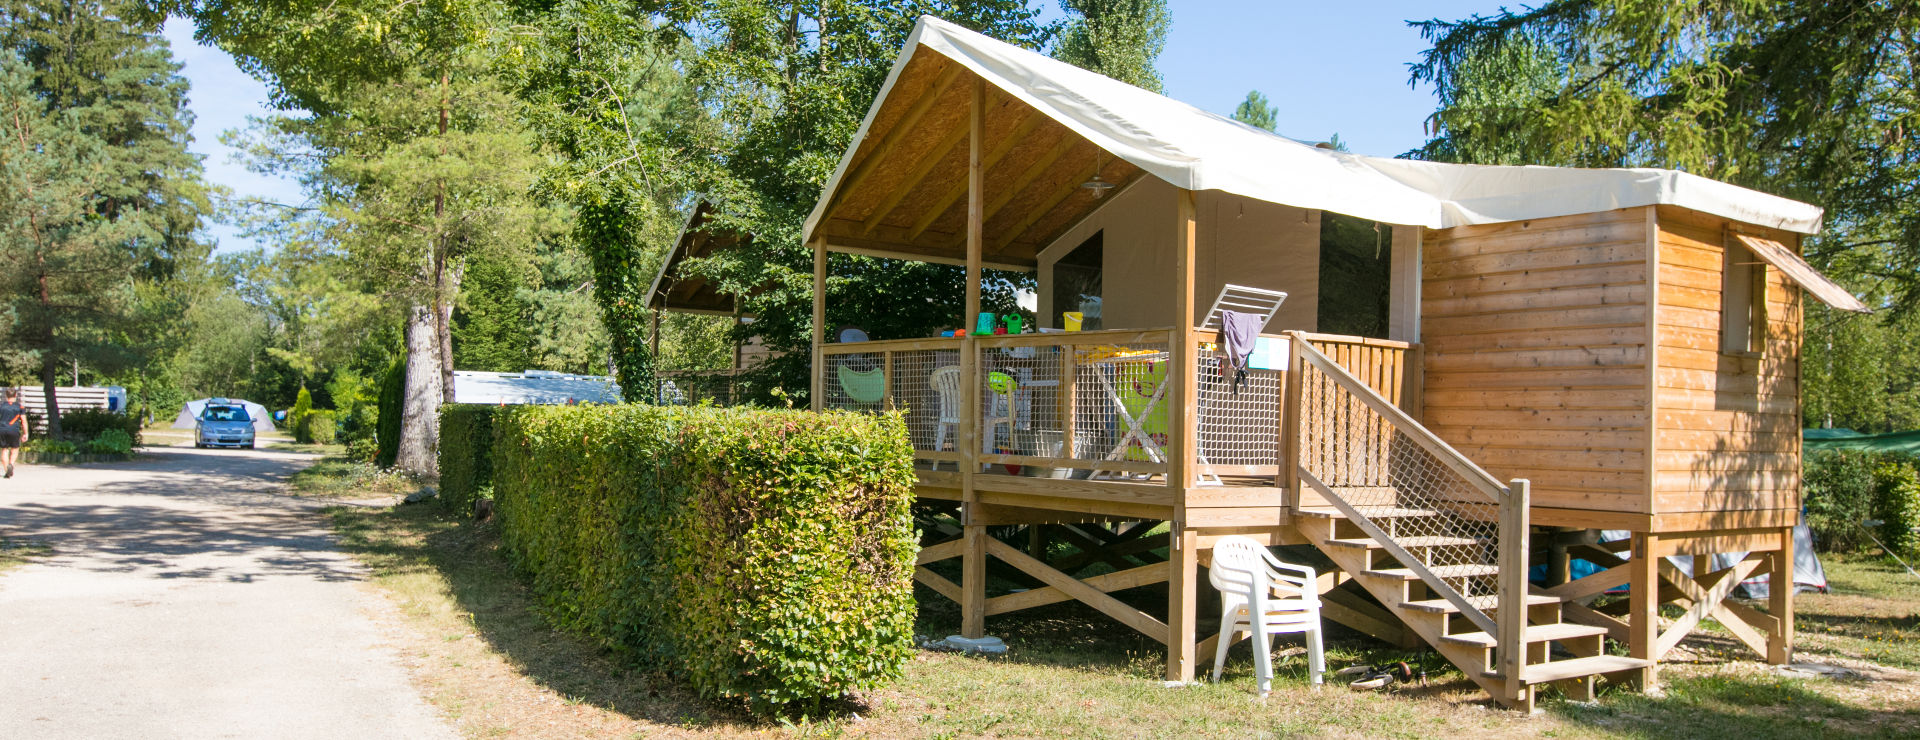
column 1536, row 342
column 1727, row 432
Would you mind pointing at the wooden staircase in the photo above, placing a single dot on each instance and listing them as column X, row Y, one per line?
column 1440, row 622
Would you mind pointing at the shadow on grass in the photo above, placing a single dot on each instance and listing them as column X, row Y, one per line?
column 425, row 539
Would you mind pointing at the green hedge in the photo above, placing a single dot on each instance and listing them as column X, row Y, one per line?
column 1844, row 487
column 767, row 555
column 466, row 454
column 386, row 430
column 81, row 425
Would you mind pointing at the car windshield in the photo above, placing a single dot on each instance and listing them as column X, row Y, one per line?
column 224, row 413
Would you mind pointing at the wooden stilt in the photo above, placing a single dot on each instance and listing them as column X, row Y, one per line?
column 973, row 582
column 1780, row 601
column 1643, row 616
column 1182, row 603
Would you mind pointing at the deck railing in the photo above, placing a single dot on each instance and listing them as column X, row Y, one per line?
column 1456, row 527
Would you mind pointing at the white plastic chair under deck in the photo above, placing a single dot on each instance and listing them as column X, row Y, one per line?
column 1264, row 596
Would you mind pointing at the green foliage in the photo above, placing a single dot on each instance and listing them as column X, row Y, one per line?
column 393, row 389
column 102, row 198
column 1257, row 112
column 1896, row 502
column 317, row 427
column 1845, row 487
column 53, row 446
column 1861, row 372
column 1118, row 38
column 766, row 554
column 297, row 416
column 490, row 329
column 466, row 454
column 363, row 450
column 84, row 424
column 111, row 442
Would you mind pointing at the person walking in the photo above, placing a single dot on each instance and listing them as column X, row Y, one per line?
column 13, row 428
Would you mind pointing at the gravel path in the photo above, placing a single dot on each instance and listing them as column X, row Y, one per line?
column 186, row 598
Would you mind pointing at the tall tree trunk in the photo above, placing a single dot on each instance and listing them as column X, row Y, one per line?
column 47, row 372
column 420, row 404
column 449, row 280
column 48, row 362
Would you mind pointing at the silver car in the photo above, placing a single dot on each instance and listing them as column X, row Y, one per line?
column 223, row 424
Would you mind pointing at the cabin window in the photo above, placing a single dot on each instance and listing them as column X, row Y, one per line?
column 1076, row 282
column 1356, row 275
column 1743, row 302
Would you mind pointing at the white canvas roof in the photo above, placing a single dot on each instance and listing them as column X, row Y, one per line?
column 1198, row 150
column 190, row 412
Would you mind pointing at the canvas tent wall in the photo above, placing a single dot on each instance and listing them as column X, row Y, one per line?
column 190, row 414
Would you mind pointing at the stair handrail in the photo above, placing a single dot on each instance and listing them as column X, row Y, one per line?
column 1511, row 503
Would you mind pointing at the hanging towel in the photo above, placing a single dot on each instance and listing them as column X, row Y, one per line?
column 1239, row 332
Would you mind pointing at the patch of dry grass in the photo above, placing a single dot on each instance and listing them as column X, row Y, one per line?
column 15, row 553
column 337, row 476
column 481, row 653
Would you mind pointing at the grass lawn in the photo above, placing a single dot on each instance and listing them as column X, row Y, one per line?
column 481, row 653
column 337, row 476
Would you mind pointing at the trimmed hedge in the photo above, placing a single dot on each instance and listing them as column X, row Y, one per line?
column 81, row 425
column 1845, row 486
column 766, row 554
column 386, row 429
column 466, row 454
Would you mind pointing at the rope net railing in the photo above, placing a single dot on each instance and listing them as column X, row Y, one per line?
column 1396, row 476
column 1239, row 417
column 1108, row 402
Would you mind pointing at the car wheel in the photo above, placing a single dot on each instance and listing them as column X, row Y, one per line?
column 249, row 445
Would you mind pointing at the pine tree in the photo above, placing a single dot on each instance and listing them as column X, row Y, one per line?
column 1255, row 111
column 126, row 198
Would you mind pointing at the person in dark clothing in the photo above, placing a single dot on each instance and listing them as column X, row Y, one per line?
column 13, row 428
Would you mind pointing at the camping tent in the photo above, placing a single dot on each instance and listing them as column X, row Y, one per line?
column 190, row 413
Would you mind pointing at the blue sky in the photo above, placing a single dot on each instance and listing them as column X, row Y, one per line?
column 1329, row 67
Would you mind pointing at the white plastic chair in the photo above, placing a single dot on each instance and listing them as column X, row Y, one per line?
column 946, row 385
column 1264, row 596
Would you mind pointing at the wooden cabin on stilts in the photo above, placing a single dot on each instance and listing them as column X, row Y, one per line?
column 1474, row 370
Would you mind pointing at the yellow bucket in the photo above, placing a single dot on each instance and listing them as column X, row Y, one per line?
column 1070, row 320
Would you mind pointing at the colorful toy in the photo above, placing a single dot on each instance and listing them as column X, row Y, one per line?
column 985, row 324
column 1013, row 322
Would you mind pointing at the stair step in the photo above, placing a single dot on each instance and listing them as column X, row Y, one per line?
column 1534, row 633
column 1578, row 667
column 1443, row 606
column 1370, row 512
column 1368, row 543
column 1443, row 571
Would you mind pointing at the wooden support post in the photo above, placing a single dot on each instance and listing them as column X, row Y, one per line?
column 1780, row 601
column 1290, row 425
column 1180, row 369
column 1643, row 612
column 1514, row 549
column 1183, row 584
column 817, row 391
column 973, row 606
column 973, row 578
